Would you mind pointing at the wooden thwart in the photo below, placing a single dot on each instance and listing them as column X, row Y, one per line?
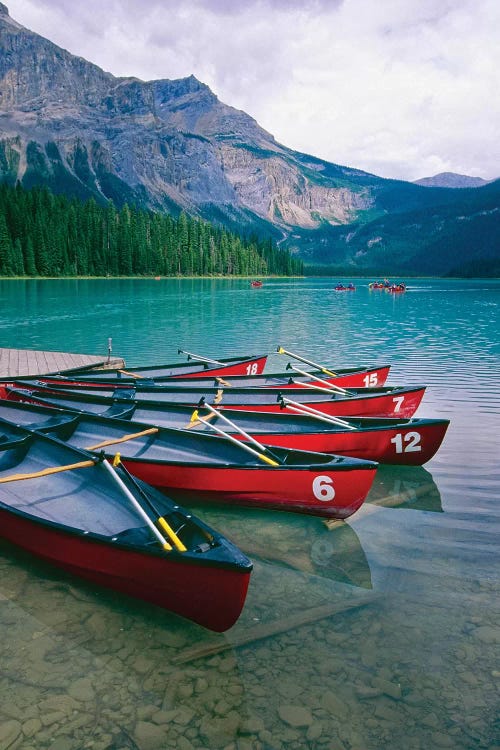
column 46, row 472
column 123, row 439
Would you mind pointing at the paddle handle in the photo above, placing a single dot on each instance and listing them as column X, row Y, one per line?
column 136, row 505
column 307, row 410
column 329, row 385
column 236, row 441
column 235, row 427
column 190, row 355
column 280, row 350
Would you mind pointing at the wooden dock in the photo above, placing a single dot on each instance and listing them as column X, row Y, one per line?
column 16, row 362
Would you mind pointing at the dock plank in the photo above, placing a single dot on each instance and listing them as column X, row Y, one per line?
column 16, row 362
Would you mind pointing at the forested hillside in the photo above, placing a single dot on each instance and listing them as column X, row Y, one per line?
column 42, row 234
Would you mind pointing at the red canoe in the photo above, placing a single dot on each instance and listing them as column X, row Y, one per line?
column 196, row 365
column 386, row 401
column 195, row 466
column 71, row 509
column 362, row 377
column 388, row 441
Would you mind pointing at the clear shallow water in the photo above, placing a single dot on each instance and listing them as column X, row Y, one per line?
column 379, row 633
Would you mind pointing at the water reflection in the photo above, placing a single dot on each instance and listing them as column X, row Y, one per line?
column 379, row 634
column 300, row 543
column 405, row 487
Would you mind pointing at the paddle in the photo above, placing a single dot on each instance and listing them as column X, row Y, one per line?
column 308, row 411
column 165, row 526
column 280, row 350
column 271, row 461
column 116, row 478
column 250, row 438
column 190, row 355
column 331, row 390
column 329, row 385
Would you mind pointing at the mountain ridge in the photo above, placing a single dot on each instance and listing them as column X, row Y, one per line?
column 452, row 180
column 172, row 145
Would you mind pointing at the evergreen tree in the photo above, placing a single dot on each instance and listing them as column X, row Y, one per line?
column 50, row 235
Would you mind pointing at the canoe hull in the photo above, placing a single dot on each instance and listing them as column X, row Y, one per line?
column 210, row 596
column 371, row 402
column 405, row 444
column 317, row 491
column 252, row 377
column 398, row 404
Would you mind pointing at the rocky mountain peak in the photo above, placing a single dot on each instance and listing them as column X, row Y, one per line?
column 160, row 143
column 4, row 11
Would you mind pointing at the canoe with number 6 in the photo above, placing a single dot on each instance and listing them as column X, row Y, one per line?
column 199, row 467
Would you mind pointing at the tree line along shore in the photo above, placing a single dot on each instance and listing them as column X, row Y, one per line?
column 48, row 235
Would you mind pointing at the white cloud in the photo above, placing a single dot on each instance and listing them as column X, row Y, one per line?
column 403, row 88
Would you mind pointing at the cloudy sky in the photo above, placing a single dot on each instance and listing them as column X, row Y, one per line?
column 400, row 88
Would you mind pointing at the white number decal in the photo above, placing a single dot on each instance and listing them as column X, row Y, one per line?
column 252, row 369
column 370, row 380
column 399, row 401
column 409, row 443
column 323, row 488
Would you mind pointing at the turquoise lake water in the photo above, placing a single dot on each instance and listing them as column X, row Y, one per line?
column 382, row 633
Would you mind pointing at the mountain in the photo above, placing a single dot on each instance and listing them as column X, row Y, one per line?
column 171, row 145
column 451, row 180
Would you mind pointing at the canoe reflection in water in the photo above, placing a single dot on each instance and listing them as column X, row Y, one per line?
column 405, row 487
column 300, row 543
column 329, row 549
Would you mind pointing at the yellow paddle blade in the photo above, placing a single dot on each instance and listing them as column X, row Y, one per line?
column 280, row 350
column 328, row 372
column 46, row 472
column 268, row 460
column 117, row 460
column 194, row 416
column 171, row 534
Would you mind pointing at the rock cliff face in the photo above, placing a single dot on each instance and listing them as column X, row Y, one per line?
column 172, row 145
column 161, row 144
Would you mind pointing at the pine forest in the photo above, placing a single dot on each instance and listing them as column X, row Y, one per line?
column 42, row 234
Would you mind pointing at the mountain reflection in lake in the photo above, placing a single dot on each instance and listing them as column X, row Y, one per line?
column 380, row 633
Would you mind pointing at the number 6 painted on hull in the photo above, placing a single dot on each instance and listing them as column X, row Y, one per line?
column 322, row 487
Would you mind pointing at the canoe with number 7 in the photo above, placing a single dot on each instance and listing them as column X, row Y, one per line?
column 385, row 401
